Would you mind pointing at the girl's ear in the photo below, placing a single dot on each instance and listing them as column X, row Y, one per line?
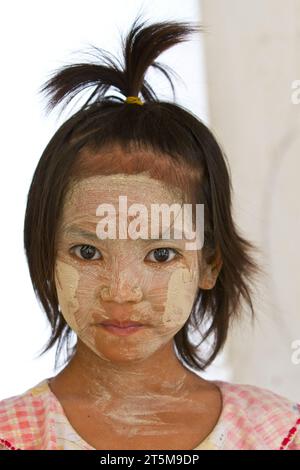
column 211, row 271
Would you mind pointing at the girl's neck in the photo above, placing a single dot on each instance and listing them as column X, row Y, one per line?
column 89, row 379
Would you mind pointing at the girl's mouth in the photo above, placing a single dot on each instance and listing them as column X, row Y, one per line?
column 121, row 330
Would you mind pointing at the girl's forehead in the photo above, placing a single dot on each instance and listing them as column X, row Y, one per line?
column 130, row 196
column 137, row 188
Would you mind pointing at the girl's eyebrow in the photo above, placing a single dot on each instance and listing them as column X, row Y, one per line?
column 75, row 230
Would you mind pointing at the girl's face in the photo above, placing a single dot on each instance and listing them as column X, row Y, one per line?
column 122, row 279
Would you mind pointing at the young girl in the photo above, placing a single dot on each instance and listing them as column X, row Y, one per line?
column 132, row 380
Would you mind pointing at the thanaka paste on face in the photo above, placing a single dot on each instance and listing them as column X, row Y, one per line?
column 175, row 286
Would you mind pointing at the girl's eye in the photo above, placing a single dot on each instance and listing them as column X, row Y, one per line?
column 86, row 252
column 161, row 254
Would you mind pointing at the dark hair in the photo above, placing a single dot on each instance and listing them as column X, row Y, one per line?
column 186, row 153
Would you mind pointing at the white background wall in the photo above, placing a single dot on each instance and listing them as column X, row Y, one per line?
column 37, row 37
column 252, row 60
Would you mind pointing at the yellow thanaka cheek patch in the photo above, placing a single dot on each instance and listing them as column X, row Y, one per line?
column 180, row 297
column 67, row 279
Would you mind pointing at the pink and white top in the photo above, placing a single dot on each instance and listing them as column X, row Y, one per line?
column 252, row 418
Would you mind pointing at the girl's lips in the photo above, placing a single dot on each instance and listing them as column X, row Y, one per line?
column 122, row 331
column 121, row 324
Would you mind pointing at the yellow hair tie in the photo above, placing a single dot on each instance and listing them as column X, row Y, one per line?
column 133, row 100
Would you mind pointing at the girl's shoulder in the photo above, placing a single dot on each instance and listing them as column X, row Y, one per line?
column 256, row 417
column 25, row 419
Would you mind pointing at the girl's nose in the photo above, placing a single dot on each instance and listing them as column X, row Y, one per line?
column 122, row 291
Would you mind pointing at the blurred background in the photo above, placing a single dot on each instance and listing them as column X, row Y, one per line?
column 240, row 78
